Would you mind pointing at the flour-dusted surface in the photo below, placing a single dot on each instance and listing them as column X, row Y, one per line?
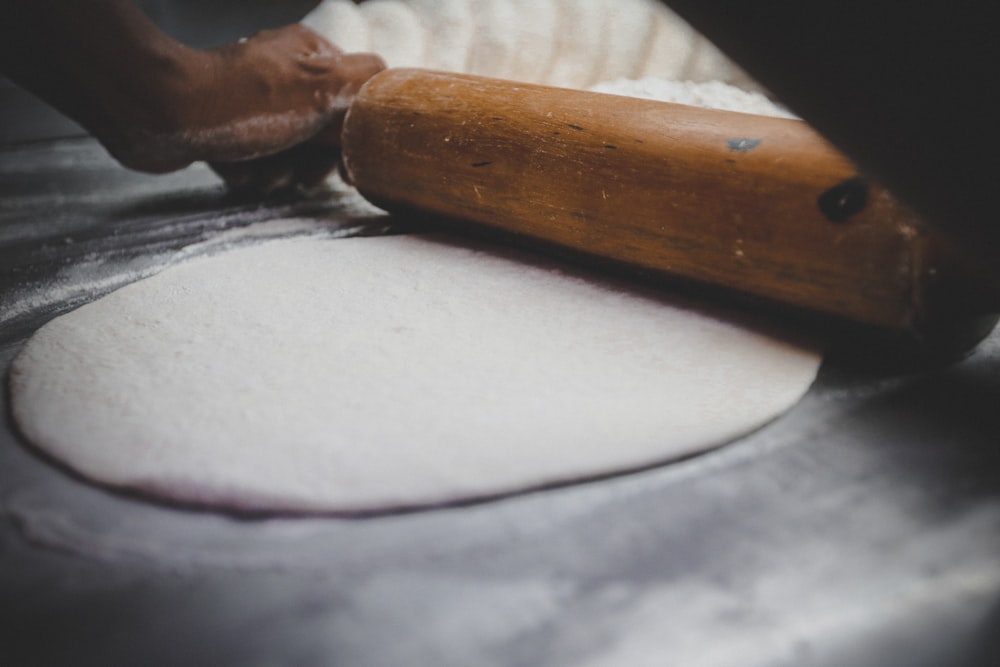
column 372, row 373
column 861, row 528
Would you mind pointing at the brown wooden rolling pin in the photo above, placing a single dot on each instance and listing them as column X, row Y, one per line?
column 761, row 205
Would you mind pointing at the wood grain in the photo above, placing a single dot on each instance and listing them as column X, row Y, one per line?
column 758, row 204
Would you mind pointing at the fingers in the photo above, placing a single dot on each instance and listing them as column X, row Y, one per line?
column 357, row 68
column 294, row 142
column 345, row 78
column 307, row 164
column 293, row 39
column 297, row 62
column 269, row 93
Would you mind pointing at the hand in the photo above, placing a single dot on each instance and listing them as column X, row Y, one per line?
column 317, row 84
column 266, row 113
column 254, row 109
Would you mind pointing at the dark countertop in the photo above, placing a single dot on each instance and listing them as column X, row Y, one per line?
column 861, row 528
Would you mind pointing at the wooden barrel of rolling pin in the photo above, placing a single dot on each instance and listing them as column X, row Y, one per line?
column 758, row 204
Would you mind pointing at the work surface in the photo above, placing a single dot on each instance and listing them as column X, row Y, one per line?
column 862, row 528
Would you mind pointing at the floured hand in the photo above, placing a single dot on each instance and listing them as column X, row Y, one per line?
column 251, row 108
column 286, row 89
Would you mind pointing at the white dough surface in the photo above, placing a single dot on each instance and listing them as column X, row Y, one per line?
column 570, row 43
column 364, row 374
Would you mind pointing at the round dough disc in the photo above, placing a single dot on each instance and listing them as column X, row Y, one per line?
column 366, row 374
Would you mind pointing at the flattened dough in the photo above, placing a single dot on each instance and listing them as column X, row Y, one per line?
column 373, row 373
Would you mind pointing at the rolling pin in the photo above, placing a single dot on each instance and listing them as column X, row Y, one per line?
column 760, row 205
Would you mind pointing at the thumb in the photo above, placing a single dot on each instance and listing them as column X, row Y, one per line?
column 353, row 71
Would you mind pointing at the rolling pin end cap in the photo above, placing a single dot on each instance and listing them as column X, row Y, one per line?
column 916, row 349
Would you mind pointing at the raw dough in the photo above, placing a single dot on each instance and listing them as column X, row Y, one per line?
column 396, row 29
column 572, row 43
column 708, row 94
column 372, row 373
